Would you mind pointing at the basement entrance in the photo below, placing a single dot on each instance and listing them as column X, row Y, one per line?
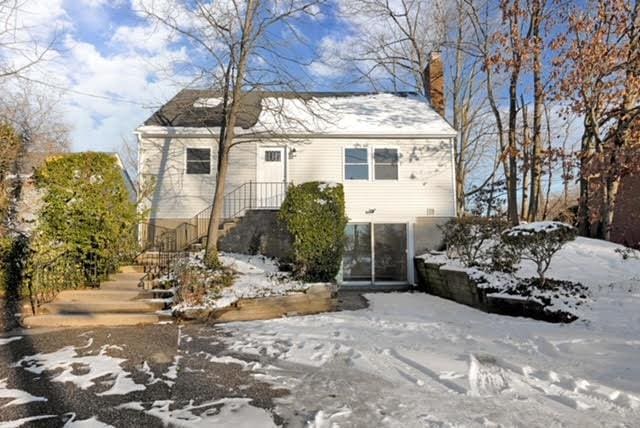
column 375, row 253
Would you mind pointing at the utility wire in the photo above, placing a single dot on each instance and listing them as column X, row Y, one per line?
column 87, row 94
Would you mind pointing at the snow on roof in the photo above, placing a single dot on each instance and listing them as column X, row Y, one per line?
column 342, row 114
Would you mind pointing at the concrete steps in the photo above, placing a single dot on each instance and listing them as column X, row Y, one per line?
column 132, row 269
column 126, row 307
column 98, row 295
column 119, row 301
column 84, row 320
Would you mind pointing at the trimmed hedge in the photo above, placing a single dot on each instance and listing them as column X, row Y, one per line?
column 86, row 226
column 539, row 242
column 314, row 214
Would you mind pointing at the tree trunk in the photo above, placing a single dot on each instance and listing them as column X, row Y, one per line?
column 538, row 96
column 584, row 203
column 512, row 179
column 613, row 186
column 526, row 161
column 227, row 133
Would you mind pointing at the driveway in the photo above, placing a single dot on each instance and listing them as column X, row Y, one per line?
column 408, row 360
column 128, row 377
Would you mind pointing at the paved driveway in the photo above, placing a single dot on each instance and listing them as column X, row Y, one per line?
column 132, row 376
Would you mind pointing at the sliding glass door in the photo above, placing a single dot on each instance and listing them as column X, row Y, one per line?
column 356, row 265
column 390, row 250
column 375, row 253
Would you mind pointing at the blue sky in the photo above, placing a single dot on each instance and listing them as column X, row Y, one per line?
column 116, row 67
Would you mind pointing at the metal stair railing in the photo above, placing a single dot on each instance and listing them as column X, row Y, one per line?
column 248, row 196
column 163, row 246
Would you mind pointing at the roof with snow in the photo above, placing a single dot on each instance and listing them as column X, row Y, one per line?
column 304, row 113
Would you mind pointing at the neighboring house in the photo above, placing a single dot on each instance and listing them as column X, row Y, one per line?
column 626, row 219
column 392, row 152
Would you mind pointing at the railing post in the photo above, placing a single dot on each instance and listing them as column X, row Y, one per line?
column 250, row 195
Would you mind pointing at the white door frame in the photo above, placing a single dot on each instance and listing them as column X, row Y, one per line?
column 265, row 199
column 260, row 161
column 409, row 250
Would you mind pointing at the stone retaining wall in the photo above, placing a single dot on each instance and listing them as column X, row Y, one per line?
column 259, row 232
column 455, row 285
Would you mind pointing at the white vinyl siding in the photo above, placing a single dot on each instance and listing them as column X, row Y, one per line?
column 178, row 195
column 424, row 185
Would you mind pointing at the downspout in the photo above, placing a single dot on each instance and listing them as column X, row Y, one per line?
column 138, row 191
column 453, row 178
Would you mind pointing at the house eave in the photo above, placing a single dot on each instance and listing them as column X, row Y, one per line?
column 175, row 132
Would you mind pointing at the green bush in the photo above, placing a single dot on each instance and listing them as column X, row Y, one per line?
column 5, row 251
column 473, row 239
column 87, row 223
column 538, row 242
column 314, row 214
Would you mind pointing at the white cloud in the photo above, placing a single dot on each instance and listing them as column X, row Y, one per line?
column 112, row 87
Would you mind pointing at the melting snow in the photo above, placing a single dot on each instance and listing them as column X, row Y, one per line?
column 19, row 396
column 227, row 412
column 94, row 367
column 4, row 341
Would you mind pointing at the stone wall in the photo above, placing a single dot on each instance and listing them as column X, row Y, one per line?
column 455, row 285
column 259, row 232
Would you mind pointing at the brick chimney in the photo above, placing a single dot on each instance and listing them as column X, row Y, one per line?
column 434, row 80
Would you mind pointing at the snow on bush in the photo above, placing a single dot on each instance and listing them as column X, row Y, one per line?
column 539, row 242
column 239, row 277
column 472, row 239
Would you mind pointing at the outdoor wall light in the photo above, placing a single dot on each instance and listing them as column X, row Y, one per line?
column 292, row 153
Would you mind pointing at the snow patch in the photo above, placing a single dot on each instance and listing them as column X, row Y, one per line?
column 19, row 396
column 93, row 367
column 227, row 412
column 4, row 341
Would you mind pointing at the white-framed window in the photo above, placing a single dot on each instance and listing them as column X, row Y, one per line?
column 385, row 164
column 356, row 164
column 198, row 161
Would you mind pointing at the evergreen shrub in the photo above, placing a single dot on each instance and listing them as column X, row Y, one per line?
column 314, row 214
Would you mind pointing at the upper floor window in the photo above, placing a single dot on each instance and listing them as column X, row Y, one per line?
column 386, row 164
column 198, row 161
column 356, row 164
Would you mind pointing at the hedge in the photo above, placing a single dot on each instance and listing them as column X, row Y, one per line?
column 86, row 226
column 314, row 214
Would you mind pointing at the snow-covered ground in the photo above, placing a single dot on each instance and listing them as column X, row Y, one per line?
column 609, row 278
column 417, row 360
column 254, row 276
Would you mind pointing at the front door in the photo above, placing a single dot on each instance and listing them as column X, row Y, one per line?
column 271, row 178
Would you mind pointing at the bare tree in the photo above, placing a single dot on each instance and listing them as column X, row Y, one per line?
column 391, row 52
column 21, row 45
column 244, row 47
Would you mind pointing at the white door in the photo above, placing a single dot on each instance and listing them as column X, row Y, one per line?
column 271, row 178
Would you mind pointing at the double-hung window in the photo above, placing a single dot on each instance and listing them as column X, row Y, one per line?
column 356, row 164
column 386, row 164
column 198, row 161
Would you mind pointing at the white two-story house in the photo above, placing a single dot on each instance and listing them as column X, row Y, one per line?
column 393, row 153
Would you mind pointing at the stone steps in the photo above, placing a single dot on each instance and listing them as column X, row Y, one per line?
column 133, row 269
column 119, row 301
column 115, row 307
column 101, row 295
column 94, row 319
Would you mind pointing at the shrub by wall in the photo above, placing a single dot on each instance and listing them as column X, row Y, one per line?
column 314, row 214
column 86, row 226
